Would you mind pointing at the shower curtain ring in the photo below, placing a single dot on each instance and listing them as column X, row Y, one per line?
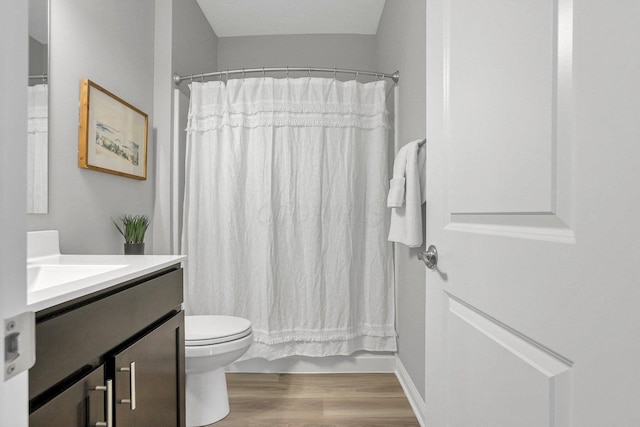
column 287, row 71
column 227, row 76
column 243, row 74
column 357, row 72
column 263, row 75
column 335, row 71
column 309, row 71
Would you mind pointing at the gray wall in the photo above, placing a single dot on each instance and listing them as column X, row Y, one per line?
column 195, row 45
column 402, row 45
column 83, row 44
column 111, row 43
column 332, row 51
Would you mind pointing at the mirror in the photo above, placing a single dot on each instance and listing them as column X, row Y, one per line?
column 38, row 101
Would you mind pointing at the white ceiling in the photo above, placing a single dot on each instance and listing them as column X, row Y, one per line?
column 230, row 18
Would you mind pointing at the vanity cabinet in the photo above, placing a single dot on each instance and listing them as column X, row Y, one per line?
column 82, row 404
column 113, row 358
column 145, row 378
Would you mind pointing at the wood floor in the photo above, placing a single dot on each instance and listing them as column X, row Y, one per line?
column 317, row 400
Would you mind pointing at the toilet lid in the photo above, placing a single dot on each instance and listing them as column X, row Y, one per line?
column 207, row 330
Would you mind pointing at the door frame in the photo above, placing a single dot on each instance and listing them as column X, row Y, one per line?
column 13, row 111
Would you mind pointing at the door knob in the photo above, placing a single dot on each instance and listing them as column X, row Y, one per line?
column 429, row 257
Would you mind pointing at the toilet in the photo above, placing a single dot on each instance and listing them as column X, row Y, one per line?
column 211, row 343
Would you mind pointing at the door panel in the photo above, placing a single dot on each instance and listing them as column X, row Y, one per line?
column 532, row 202
column 500, row 64
column 13, row 157
column 528, row 384
column 506, row 99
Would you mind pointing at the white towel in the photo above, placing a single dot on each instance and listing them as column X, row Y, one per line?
column 395, row 199
column 406, row 221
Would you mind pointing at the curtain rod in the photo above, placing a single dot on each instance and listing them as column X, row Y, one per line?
column 177, row 79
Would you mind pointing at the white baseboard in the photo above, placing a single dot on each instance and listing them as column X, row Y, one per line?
column 364, row 362
column 412, row 393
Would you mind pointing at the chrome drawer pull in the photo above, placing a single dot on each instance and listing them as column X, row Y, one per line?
column 132, row 384
column 108, row 389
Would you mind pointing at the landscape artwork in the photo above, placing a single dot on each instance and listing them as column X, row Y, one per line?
column 113, row 134
column 111, row 143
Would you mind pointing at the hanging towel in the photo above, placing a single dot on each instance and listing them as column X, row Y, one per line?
column 406, row 220
column 395, row 199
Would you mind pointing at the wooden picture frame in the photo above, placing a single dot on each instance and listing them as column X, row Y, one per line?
column 113, row 133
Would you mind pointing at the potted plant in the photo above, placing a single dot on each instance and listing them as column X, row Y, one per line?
column 134, row 228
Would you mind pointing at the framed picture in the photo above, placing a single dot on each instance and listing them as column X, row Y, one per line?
column 113, row 133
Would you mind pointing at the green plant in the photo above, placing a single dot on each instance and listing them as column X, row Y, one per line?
column 134, row 227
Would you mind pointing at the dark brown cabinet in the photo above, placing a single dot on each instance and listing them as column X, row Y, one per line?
column 114, row 358
column 82, row 404
column 145, row 374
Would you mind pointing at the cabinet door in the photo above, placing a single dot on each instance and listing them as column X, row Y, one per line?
column 149, row 378
column 82, row 404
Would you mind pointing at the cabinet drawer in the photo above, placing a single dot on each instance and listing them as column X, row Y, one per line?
column 81, row 337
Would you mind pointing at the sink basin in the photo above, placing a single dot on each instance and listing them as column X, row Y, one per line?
column 43, row 276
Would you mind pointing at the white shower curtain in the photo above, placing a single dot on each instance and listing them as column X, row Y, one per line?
column 284, row 215
column 37, row 148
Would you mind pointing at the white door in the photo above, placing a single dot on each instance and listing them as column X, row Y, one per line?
column 533, row 129
column 13, row 135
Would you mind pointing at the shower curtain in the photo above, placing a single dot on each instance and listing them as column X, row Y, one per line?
column 37, row 148
column 284, row 214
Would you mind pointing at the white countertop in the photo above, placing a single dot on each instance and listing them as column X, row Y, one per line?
column 56, row 279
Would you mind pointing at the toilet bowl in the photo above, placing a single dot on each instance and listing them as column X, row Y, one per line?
column 211, row 343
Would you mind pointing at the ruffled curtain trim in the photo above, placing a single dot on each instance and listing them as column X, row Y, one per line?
column 215, row 106
column 283, row 336
column 266, row 120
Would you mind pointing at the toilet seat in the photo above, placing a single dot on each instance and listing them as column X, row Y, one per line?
column 209, row 330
